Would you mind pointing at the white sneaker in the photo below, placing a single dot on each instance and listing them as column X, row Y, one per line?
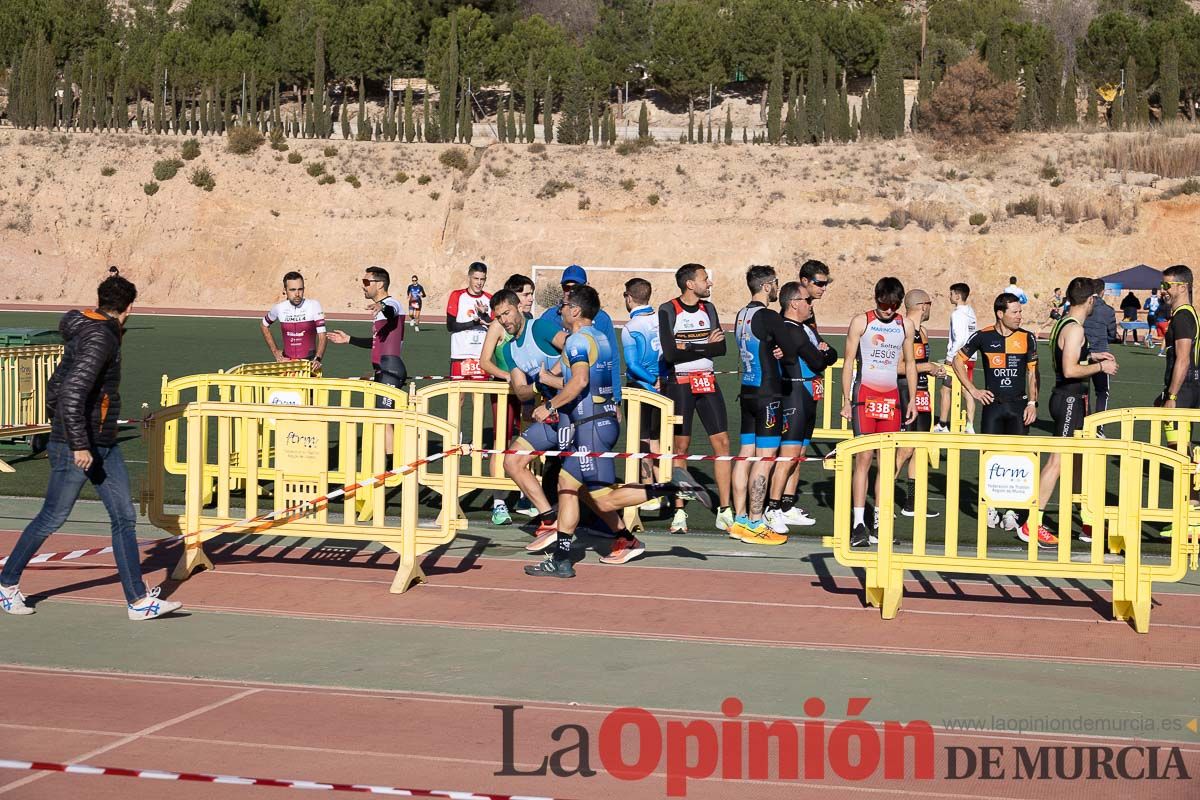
column 724, row 519
column 970, row 428
column 940, row 428
column 679, row 522
column 150, row 607
column 652, row 505
column 1009, row 523
column 13, row 602
column 774, row 520
column 993, row 518
column 798, row 516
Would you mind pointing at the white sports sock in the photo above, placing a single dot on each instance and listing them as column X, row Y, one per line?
column 859, row 513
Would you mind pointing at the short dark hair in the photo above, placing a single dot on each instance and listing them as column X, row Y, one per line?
column 1003, row 301
column 638, row 289
column 587, row 299
column 414, row 277
column 112, row 270
column 1179, row 272
column 810, row 269
column 505, row 297
column 961, row 289
column 1098, row 286
column 1079, row 290
column 889, row 290
column 1012, row 278
column 292, row 276
column 381, row 274
column 686, row 273
column 477, row 266
column 759, row 276
column 115, row 294
column 788, row 292
column 516, row 283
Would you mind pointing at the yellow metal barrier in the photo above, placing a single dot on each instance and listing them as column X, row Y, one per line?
column 24, row 373
column 1008, row 472
column 276, row 369
column 268, row 390
column 832, row 426
column 475, row 431
column 303, row 441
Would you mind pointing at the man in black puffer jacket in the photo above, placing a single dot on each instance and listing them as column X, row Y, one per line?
column 84, row 402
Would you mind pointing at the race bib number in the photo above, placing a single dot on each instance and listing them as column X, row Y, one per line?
column 470, row 368
column 818, row 389
column 702, row 382
column 880, row 409
column 923, row 405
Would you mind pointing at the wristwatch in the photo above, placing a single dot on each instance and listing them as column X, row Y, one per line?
column 1172, row 397
column 549, row 407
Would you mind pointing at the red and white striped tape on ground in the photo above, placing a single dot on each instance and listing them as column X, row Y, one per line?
column 301, row 508
column 234, row 780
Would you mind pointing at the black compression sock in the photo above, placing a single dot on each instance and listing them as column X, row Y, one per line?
column 774, row 505
column 562, row 547
column 787, row 502
column 654, row 490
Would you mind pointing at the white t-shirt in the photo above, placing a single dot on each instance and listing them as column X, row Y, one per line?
column 466, row 307
column 962, row 325
column 1019, row 292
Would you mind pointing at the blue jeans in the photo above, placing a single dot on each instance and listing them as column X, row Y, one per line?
column 111, row 479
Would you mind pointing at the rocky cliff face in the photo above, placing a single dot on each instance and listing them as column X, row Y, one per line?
column 866, row 210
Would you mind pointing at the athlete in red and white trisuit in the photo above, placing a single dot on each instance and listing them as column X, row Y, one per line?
column 468, row 314
column 879, row 340
column 302, row 322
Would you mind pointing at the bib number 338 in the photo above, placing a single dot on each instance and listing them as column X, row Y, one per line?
column 880, row 409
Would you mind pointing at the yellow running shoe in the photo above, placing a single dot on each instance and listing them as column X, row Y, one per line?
column 757, row 532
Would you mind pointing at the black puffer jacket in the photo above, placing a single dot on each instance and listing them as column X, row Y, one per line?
column 83, row 396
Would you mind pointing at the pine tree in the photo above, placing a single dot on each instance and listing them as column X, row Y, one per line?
column 573, row 125
column 449, row 82
column 1093, row 113
column 548, row 112
column 814, row 92
column 1168, row 82
column 410, row 125
column 530, row 100
column 775, row 98
column 643, row 122
column 1068, row 114
column 728, row 126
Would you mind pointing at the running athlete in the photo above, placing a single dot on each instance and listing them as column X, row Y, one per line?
column 386, row 340
column 1074, row 365
column 642, row 349
column 416, row 297
column 692, row 337
column 1181, row 380
column 302, row 322
column 586, row 401
column 1010, row 383
column 803, row 386
column 572, row 277
column 467, row 319
column 759, row 331
column 917, row 305
column 879, row 339
column 962, row 325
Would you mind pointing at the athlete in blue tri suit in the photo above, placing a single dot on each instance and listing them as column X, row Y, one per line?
column 572, row 277
column 642, row 349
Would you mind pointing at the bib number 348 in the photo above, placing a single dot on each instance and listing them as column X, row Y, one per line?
column 702, row 382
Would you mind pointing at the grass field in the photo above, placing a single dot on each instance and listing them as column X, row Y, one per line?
column 176, row 346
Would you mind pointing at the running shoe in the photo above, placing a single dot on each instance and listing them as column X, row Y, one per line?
column 13, row 602
column 550, row 568
column 1085, row 536
column 774, row 520
column 970, row 428
column 740, row 527
column 525, row 508
column 151, row 607
column 679, row 522
column 798, row 516
column 941, row 428
column 543, row 537
column 500, row 515
column 624, row 549
column 1044, row 537
column 876, row 526
column 681, row 478
column 993, row 520
column 909, row 511
column 1009, row 521
column 861, row 536
column 725, row 519
column 652, row 505
column 757, row 532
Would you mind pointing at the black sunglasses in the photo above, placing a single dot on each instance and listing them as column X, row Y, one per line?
column 823, row 283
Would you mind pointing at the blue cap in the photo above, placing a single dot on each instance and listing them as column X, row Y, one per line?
column 574, row 274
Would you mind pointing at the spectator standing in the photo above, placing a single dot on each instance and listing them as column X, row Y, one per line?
column 1016, row 291
column 1100, row 329
column 1129, row 313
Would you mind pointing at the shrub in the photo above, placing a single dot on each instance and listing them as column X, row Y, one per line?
column 1049, row 171
column 330, row 151
column 325, row 180
column 1156, row 154
column 316, row 168
column 653, row 199
column 277, row 141
column 353, row 181
column 455, row 158
column 167, row 168
column 1026, row 207
column 203, row 179
column 552, row 187
column 977, row 219
column 971, row 106
column 150, row 188
column 190, row 150
column 585, row 203
column 627, row 184
column 1056, row 182
column 401, row 177
column 1190, row 186
column 630, row 146
column 537, row 147
column 434, row 195
column 295, row 158
column 422, row 180
column 108, row 172
column 244, row 139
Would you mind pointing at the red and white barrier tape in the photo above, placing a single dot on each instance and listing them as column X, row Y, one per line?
column 655, row 456
column 487, row 378
column 235, row 780
column 300, row 509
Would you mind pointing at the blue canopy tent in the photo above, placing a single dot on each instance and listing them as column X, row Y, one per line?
column 1139, row 279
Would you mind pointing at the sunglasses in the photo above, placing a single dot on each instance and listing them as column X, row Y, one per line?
column 823, row 283
column 369, row 281
column 889, row 308
column 1165, row 285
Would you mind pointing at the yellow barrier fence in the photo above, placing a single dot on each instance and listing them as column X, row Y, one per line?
column 274, row 369
column 1007, row 477
column 313, row 450
column 24, row 373
column 479, row 430
column 268, row 390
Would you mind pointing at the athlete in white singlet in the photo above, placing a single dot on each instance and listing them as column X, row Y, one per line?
column 302, row 322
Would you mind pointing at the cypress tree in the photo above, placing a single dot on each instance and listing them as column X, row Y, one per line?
column 814, row 92
column 449, row 83
column 410, row 126
column 744, row 137
column 845, row 125
column 643, row 122
column 612, row 126
column 775, row 98
column 572, row 126
column 344, row 119
column 466, row 120
column 513, row 130
column 833, row 123
column 1049, row 91
column 420, row 132
column 310, row 117
column 790, row 130
column 854, row 125
column 501, row 123
column 1168, row 82
column 924, row 92
column 318, row 95
column 1093, row 113
column 728, row 126
column 1068, row 114
column 889, row 86
column 389, row 119
column 596, row 111
column 708, row 136
column 430, row 120
column 530, row 100
column 1131, row 98
column 691, row 122
column 365, row 129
